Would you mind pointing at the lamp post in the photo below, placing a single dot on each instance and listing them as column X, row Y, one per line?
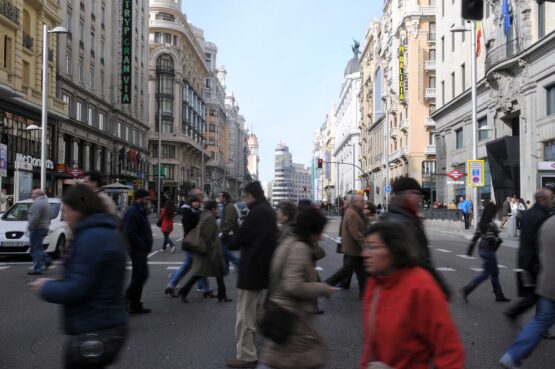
column 44, row 111
column 159, row 195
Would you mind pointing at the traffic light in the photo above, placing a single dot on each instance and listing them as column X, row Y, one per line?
column 472, row 9
column 320, row 163
column 367, row 190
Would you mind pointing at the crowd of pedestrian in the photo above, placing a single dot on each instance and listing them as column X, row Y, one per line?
column 406, row 321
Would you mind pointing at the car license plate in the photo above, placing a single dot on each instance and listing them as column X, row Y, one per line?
column 13, row 243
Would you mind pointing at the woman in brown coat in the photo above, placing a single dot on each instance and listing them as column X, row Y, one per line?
column 209, row 263
column 294, row 286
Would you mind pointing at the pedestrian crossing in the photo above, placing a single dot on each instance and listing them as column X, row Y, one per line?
column 473, row 268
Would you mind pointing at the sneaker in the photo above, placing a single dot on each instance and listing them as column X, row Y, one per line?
column 173, row 249
column 162, row 250
column 508, row 363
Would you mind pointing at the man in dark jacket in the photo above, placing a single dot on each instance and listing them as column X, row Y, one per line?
column 228, row 227
column 403, row 209
column 137, row 229
column 528, row 254
column 257, row 240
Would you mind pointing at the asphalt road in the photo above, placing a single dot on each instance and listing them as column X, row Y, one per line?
column 200, row 335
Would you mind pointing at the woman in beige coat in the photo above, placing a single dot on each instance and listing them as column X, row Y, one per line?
column 209, row 263
column 294, row 286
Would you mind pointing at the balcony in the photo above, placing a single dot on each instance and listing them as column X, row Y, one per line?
column 171, row 3
column 405, row 151
column 395, row 155
column 10, row 11
column 405, row 125
column 430, row 65
column 503, row 53
column 28, row 41
column 394, row 132
column 427, row 10
column 430, row 93
column 431, row 37
column 430, row 150
column 429, row 123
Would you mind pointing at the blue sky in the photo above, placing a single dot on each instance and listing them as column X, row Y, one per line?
column 285, row 61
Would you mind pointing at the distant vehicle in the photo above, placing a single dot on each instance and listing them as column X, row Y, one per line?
column 14, row 237
column 242, row 209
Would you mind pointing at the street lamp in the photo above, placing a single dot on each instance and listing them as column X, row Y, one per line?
column 473, row 67
column 44, row 119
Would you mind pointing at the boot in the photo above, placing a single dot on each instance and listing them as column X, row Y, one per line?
column 499, row 296
column 467, row 290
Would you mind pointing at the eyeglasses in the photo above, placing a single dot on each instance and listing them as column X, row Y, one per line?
column 373, row 247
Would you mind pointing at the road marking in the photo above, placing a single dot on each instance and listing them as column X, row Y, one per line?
column 477, row 269
column 4, row 267
column 443, row 250
column 172, row 268
column 466, row 257
column 153, row 253
column 179, row 239
column 331, row 238
column 320, row 269
column 518, row 270
column 164, row 263
column 501, row 266
column 445, row 269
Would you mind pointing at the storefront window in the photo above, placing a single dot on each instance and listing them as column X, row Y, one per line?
column 549, row 151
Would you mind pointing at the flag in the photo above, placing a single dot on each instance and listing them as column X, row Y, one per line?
column 506, row 17
column 478, row 38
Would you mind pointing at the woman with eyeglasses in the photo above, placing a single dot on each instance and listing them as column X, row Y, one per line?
column 406, row 320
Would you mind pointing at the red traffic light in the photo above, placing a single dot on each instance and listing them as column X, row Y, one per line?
column 320, row 163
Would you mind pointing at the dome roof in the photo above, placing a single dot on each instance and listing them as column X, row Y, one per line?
column 353, row 66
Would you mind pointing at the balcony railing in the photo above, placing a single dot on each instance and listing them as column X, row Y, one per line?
column 430, row 150
column 405, row 151
column 430, row 93
column 28, row 41
column 503, row 52
column 395, row 155
column 10, row 11
column 428, row 10
column 429, row 123
column 404, row 125
column 430, row 65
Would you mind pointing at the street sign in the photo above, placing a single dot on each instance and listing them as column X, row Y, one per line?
column 455, row 174
column 476, row 173
column 387, row 189
column 76, row 172
column 61, row 167
column 455, row 182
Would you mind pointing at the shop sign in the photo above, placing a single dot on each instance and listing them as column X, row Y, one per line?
column 455, row 174
column 61, row 168
column 546, row 165
column 3, row 160
column 76, row 172
column 126, row 47
column 402, row 73
column 33, row 161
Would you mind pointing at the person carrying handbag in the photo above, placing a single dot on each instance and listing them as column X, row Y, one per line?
column 165, row 223
column 291, row 299
column 490, row 242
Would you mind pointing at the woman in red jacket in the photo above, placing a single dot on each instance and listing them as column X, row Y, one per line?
column 167, row 225
column 407, row 324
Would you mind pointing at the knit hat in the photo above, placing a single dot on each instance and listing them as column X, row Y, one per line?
column 406, row 184
column 141, row 193
column 255, row 189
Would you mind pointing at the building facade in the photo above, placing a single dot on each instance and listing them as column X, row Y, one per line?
column 516, row 101
column 177, row 77
column 253, row 157
column 103, row 83
column 291, row 181
column 325, row 179
column 21, row 43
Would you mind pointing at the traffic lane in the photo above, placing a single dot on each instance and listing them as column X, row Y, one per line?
column 484, row 331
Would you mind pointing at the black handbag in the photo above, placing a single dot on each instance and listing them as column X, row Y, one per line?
column 159, row 223
column 277, row 323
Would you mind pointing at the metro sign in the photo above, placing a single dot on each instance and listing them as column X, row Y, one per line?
column 455, row 174
column 76, row 172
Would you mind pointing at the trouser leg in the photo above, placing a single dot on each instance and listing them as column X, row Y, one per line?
column 361, row 274
column 184, row 291
column 36, row 237
column 522, row 305
column 183, row 269
column 139, row 276
column 222, row 292
column 345, row 272
column 245, row 324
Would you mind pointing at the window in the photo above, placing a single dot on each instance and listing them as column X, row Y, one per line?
column 541, row 19
column 442, row 48
column 101, row 121
column 102, row 52
column 91, row 116
column 92, row 78
column 463, row 34
column 102, row 84
column 459, row 139
column 453, row 85
column 126, row 131
column 8, row 52
column 549, row 151
column 482, row 135
column 167, row 152
column 165, row 16
column 69, row 22
column 463, row 77
column 442, row 92
column 432, row 54
column 26, row 73
column 157, row 37
column 443, row 8
column 378, row 92
column 67, row 100
column 81, row 31
column 175, row 40
column 431, row 138
column 551, row 100
column 68, row 62
column 92, row 41
column 432, row 82
column 452, row 41
column 167, row 38
column 79, row 111
column 80, row 70
column 118, row 129
column 208, row 58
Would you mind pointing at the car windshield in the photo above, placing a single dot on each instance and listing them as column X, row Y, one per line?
column 19, row 212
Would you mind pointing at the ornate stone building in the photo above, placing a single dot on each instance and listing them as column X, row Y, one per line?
column 253, row 157
column 516, row 101
column 177, row 109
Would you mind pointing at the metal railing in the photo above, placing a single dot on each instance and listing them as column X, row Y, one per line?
column 28, row 41
column 429, row 123
column 10, row 11
column 430, row 65
column 430, row 93
column 430, row 150
column 503, row 52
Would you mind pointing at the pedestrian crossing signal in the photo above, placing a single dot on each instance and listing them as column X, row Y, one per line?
column 320, row 163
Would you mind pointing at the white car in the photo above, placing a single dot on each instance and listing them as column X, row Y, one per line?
column 14, row 237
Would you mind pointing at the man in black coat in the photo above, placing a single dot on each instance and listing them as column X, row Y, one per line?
column 138, row 231
column 528, row 253
column 257, row 240
column 404, row 208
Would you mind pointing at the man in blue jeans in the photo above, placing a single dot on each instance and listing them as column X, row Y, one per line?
column 544, row 319
column 465, row 205
column 39, row 223
column 228, row 228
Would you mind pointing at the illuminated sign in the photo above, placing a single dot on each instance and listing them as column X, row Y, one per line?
column 402, row 73
column 126, row 47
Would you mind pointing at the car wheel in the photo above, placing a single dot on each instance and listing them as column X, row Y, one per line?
column 60, row 247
